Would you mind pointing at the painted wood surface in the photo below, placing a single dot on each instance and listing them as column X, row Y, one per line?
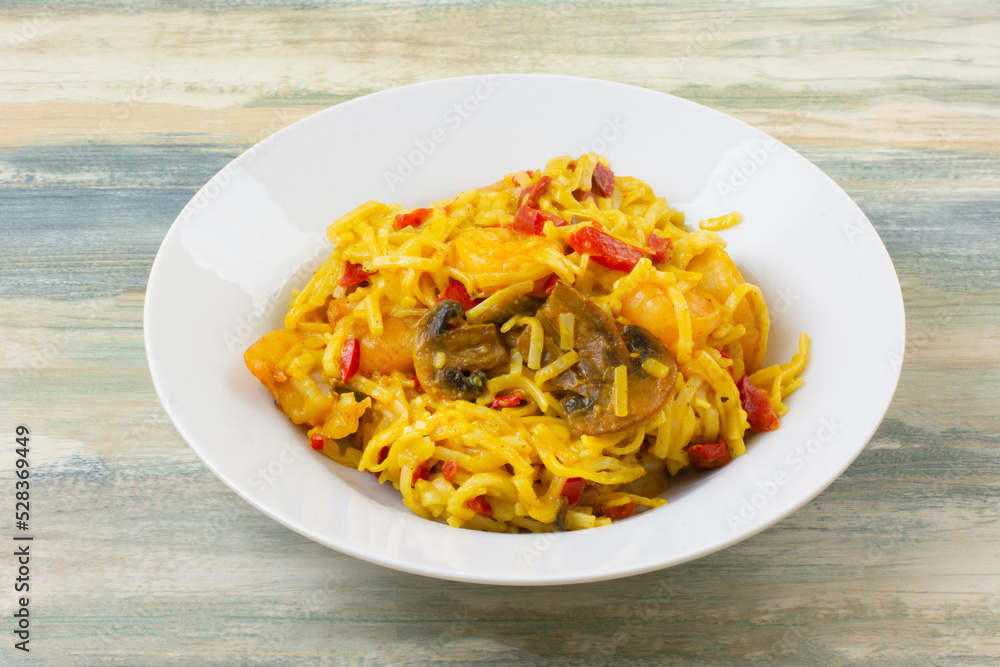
column 112, row 115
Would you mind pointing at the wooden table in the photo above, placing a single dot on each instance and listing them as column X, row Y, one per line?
column 112, row 116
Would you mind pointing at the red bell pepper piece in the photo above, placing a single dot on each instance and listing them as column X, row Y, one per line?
column 605, row 249
column 416, row 385
column 316, row 440
column 411, row 218
column 455, row 291
column 760, row 414
column 531, row 193
column 449, row 469
column 604, row 180
column 350, row 357
column 382, row 454
column 572, row 489
column 714, row 455
column 480, row 505
column 659, row 246
column 511, row 400
column 353, row 275
column 528, row 220
column 617, row 512
column 550, row 284
column 422, row 471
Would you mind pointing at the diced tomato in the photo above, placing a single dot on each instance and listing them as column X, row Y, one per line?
column 350, row 357
column 604, row 180
column 529, row 195
column 550, row 284
column 714, row 455
column 572, row 489
column 353, row 274
column 423, row 471
column 582, row 195
column 623, row 511
column 317, row 440
column 528, row 220
column 480, row 505
column 449, row 469
column 411, row 218
column 455, row 291
column 605, row 249
column 511, row 400
column 659, row 246
column 760, row 414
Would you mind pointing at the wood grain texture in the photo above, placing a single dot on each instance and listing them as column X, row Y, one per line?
column 111, row 117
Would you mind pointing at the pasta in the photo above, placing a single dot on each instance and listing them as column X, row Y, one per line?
column 539, row 354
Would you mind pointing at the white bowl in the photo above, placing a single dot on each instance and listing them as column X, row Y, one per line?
column 256, row 230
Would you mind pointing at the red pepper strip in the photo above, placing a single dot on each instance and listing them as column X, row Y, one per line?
column 449, row 470
column 416, row 385
column 455, row 291
column 550, row 284
column 511, row 400
column 480, row 505
column 528, row 220
column 382, row 454
column 531, row 193
column 659, row 246
column 760, row 414
column 423, row 471
column 353, row 274
column 316, row 440
column 572, row 489
column 618, row 512
column 604, row 180
column 605, row 249
column 411, row 218
column 350, row 357
column 714, row 455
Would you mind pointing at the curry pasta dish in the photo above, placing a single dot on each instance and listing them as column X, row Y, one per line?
column 539, row 354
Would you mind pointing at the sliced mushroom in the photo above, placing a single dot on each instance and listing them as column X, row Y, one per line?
column 589, row 385
column 451, row 361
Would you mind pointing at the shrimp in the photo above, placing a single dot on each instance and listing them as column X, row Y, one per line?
column 651, row 307
column 302, row 398
column 719, row 278
column 392, row 351
column 495, row 257
column 263, row 356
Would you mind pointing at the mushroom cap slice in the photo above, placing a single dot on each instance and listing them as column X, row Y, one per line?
column 589, row 384
column 451, row 362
